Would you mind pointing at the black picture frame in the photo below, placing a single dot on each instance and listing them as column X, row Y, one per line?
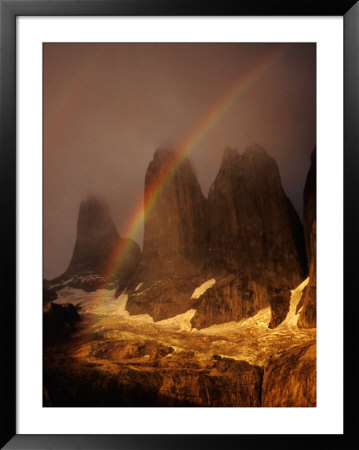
column 9, row 10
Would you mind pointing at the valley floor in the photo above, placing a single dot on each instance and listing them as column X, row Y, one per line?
column 114, row 359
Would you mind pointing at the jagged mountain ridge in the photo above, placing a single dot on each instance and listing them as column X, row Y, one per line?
column 246, row 235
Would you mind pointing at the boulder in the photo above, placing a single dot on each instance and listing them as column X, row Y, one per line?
column 59, row 321
column 290, row 379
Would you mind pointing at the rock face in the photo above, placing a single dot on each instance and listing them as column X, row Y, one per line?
column 176, row 228
column 98, row 243
column 253, row 224
column 307, row 317
column 290, row 380
column 278, row 300
column 151, row 374
column 256, row 234
column 175, row 240
column 141, row 371
column 233, row 297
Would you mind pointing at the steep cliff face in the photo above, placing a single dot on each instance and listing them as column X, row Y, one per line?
column 310, row 204
column 290, row 380
column 175, row 240
column 253, row 224
column 176, row 229
column 307, row 318
column 93, row 263
column 256, row 234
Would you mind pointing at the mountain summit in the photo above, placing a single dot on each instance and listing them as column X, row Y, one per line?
column 98, row 244
column 96, row 238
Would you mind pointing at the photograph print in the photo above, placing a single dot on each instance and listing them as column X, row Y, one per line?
column 179, row 225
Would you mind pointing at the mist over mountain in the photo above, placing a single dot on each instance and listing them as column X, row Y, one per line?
column 97, row 244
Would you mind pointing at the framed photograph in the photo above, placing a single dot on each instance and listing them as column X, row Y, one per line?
column 175, row 178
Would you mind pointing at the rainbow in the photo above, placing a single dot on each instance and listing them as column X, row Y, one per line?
column 145, row 204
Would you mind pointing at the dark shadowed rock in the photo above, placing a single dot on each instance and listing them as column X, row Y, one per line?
column 48, row 294
column 279, row 300
column 290, row 380
column 163, row 298
column 100, row 255
column 310, row 203
column 59, row 321
column 232, row 297
column 307, row 317
column 150, row 374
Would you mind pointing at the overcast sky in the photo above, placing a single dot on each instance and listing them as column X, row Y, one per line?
column 107, row 107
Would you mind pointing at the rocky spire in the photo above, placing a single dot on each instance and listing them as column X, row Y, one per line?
column 256, row 250
column 307, row 318
column 175, row 240
column 96, row 238
column 97, row 241
column 175, row 230
column 254, row 226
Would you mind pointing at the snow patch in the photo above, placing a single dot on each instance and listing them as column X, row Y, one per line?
column 121, row 311
column 181, row 322
column 104, row 303
column 101, row 302
column 202, row 289
column 259, row 321
column 292, row 318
